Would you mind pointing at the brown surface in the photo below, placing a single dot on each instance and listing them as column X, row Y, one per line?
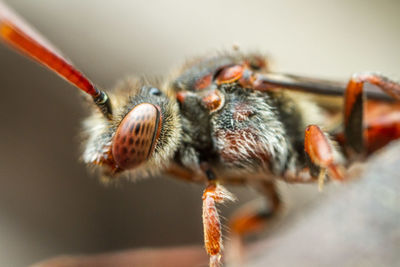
column 170, row 257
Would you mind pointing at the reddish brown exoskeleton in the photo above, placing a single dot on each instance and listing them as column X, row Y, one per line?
column 224, row 119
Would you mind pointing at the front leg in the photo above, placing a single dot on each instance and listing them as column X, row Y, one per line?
column 213, row 194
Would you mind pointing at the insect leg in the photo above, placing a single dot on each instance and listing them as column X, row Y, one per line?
column 252, row 218
column 354, row 107
column 319, row 151
column 213, row 194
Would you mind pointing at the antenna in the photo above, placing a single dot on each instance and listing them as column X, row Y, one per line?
column 15, row 32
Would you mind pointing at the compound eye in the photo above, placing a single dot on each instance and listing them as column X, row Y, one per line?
column 136, row 136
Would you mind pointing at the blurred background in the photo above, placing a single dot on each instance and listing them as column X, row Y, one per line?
column 51, row 205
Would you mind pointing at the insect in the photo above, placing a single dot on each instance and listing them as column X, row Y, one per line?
column 221, row 120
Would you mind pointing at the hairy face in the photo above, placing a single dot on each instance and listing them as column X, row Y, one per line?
column 129, row 97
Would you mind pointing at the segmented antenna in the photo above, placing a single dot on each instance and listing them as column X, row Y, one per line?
column 19, row 35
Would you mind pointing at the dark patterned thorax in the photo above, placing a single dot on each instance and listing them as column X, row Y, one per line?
column 230, row 125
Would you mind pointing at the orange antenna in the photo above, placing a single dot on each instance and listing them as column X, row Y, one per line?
column 19, row 35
